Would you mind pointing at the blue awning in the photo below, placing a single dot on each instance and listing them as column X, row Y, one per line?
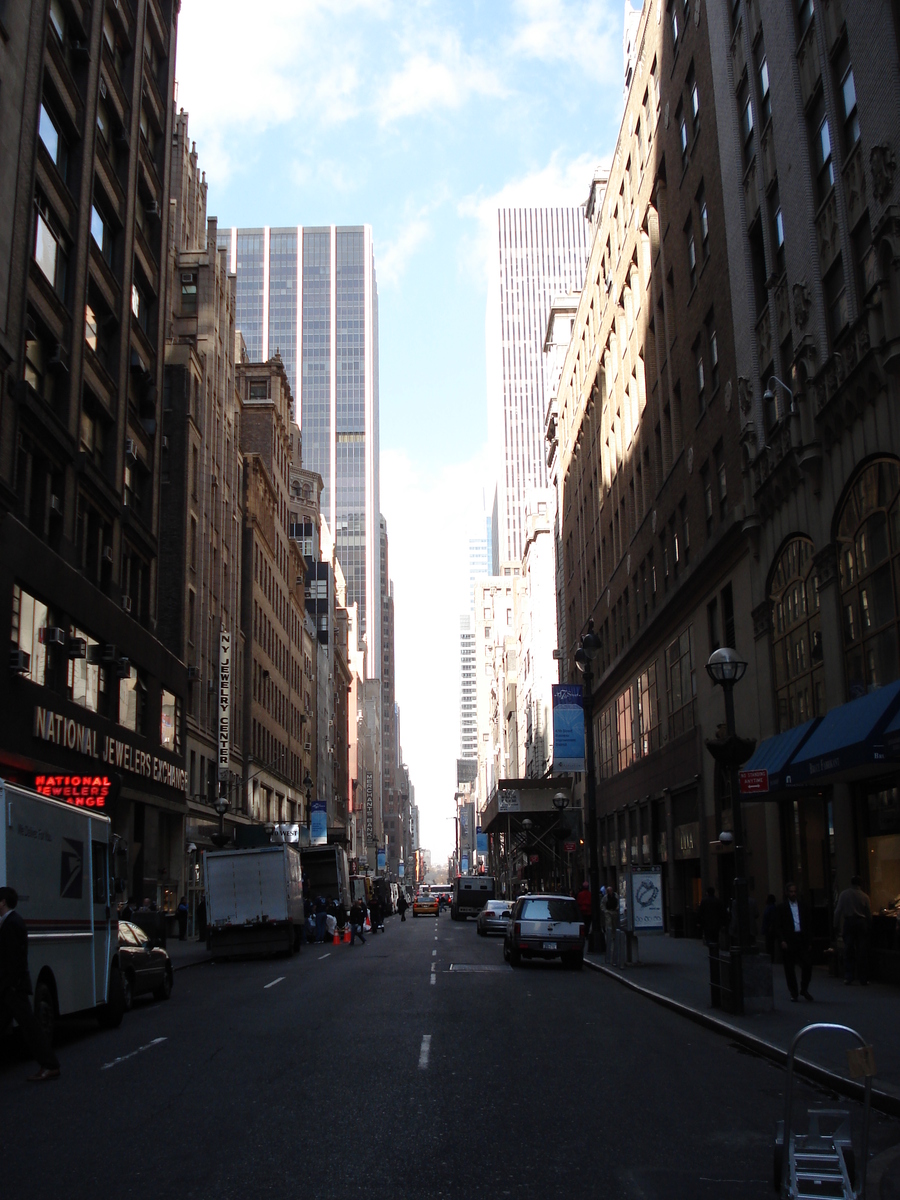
column 774, row 753
column 849, row 738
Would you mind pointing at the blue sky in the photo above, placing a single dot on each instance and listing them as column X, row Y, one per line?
column 419, row 118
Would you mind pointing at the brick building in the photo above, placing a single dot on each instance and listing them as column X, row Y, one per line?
column 201, row 515
column 647, row 437
column 84, row 172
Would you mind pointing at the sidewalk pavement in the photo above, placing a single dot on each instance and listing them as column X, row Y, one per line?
column 675, row 972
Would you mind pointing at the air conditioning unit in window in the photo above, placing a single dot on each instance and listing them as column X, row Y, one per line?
column 130, row 450
column 307, row 747
column 56, row 505
column 59, row 359
column 107, row 554
column 19, row 662
column 194, row 674
column 152, row 209
column 52, row 635
column 77, row 647
column 103, row 88
column 123, row 669
column 126, row 603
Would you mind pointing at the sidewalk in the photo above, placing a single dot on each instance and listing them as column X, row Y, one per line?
column 675, row 971
column 188, row 953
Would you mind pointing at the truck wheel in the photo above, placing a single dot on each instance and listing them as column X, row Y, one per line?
column 110, row 1014
column 45, row 1009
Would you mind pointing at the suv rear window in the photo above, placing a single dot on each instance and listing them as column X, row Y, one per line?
column 551, row 910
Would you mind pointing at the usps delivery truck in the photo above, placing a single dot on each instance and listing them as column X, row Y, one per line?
column 57, row 856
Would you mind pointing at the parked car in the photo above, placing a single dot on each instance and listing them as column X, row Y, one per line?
column 493, row 918
column 145, row 966
column 543, row 926
column 425, row 905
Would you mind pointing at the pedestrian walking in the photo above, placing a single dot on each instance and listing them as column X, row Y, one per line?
column 15, row 987
column 852, row 917
column 583, row 900
column 793, row 931
column 768, row 924
column 402, row 906
column 375, row 914
column 181, row 914
column 709, row 913
column 357, row 921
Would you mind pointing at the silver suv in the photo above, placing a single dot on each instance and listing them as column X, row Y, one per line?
column 545, row 927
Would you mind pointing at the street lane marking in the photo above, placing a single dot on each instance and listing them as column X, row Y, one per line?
column 321, row 956
column 433, row 968
column 433, row 978
column 477, row 968
column 124, row 1057
column 280, row 979
column 424, row 1051
column 434, row 954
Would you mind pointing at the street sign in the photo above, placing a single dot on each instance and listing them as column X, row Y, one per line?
column 753, row 781
column 570, row 847
column 535, row 858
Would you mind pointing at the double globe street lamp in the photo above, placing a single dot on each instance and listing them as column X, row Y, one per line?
column 588, row 649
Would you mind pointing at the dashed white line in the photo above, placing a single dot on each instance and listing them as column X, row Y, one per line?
column 321, row 956
column 434, row 954
column 433, row 968
column 123, row 1057
column 433, row 978
column 424, row 1051
column 280, row 979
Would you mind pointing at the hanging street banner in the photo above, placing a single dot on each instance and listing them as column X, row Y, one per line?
column 481, row 841
column 568, row 727
column 224, row 702
column 318, row 826
column 370, row 809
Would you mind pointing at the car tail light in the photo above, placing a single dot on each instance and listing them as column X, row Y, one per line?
column 581, row 931
column 517, row 929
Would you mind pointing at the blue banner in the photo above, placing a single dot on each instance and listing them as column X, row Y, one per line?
column 481, row 845
column 401, row 870
column 380, row 860
column 318, row 831
column 568, row 727
column 464, row 864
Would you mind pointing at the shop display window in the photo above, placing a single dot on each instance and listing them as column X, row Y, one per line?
column 883, row 849
column 797, row 637
column 84, row 680
column 29, row 618
column 869, row 553
column 170, row 722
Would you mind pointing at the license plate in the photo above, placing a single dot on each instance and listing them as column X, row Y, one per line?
column 549, row 945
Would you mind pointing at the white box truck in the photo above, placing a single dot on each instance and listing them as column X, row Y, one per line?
column 254, row 900
column 57, row 856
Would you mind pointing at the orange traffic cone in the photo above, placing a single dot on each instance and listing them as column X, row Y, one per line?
column 336, row 940
column 346, row 935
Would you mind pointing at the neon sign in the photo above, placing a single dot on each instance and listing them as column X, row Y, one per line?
column 84, row 791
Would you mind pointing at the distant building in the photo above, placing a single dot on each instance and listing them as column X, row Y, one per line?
column 310, row 295
column 541, row 253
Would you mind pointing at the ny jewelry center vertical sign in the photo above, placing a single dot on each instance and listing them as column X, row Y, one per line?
column 224, row 703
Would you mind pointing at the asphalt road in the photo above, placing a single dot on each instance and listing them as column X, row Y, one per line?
column 385, row 1071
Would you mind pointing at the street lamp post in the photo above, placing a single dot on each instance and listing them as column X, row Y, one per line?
column 726, row 668
column 584, row 657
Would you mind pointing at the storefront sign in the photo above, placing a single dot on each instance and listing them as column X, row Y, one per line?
column 753, row 781
column 370, row 809
column 79, row 737
column 83, row 791
column 646, row 900
column 568, row 727
column 318, row 827
column 224, row 702
column 508, row 801
column 570, row 847
column 687, row 840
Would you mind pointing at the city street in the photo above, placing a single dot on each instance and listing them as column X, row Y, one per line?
column 386, row 1071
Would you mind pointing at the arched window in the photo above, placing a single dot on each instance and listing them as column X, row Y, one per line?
column 868, row 543
column 796, row 636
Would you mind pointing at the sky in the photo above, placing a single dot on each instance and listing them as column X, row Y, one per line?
column 420, row 118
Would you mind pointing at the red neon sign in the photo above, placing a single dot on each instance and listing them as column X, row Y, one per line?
column 84, row 791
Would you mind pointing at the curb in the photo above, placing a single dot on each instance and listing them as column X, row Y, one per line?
column 195, row 962
column 884, row 1101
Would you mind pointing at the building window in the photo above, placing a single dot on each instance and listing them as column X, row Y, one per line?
column 84, row 681
column 58, row 19
column 682, row 135
column 704, row 221
column 682, row 682
column 746, row 112
column 30, row 617
column 765, row 99
column 625, row 729
column 778, row 235
column 188, row 292
column 847, row 89
column 132, row 700
column 836, row 298
column 673, row 22
column 605, row 744
column 721, row 480
column 54, row 143
column 648, row 710
column 797, row 636
column 823, row 162
column 804, row 15
column 713, row 343
column 102, row 235
column 49, row 253
column 869, row 548
column 170, row 722
column 691, row 253
column 706, row 480
column 694, row 94
column 700, row 375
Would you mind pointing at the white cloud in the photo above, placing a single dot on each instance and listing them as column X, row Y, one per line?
column 395, row 255
column 585, row 35
column 436, row 76
column 430, row 514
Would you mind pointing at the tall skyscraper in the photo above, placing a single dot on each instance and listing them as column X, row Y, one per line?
column 311, row 294
column 542, row 253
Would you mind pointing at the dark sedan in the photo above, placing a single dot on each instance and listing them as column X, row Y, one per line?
column 145, row 967
column 493, row 918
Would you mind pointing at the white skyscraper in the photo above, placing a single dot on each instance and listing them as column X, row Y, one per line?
column 542, row 252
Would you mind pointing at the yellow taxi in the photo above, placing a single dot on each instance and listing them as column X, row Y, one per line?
column 425, row 905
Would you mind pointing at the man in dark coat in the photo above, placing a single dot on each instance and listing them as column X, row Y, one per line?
column 793, row 932
column 402, row 905
column 15, row 986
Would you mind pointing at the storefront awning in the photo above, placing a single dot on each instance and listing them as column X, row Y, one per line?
column 854, row 740
column 764, row 771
